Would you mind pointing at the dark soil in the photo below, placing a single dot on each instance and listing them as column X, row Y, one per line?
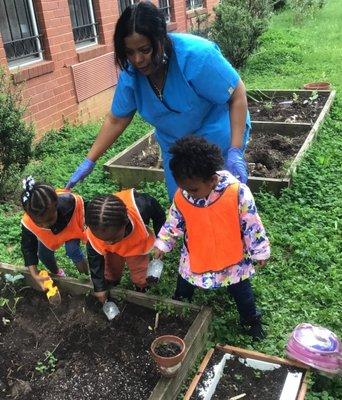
column 96, row 359
column 167, row 350
column 268, row 154
column 238, row 378
column 287, row 109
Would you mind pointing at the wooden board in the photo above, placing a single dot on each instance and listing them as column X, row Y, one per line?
column 248, row 354
column 166, row 388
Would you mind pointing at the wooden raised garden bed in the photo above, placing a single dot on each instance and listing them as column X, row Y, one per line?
column 72, row 351
column 274, row 151
column 229, row 372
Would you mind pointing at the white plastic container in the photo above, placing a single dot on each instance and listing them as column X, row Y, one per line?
column 154, row 270
column 111, row 310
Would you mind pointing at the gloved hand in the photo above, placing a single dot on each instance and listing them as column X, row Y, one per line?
column 236, row 164
column 83, row 170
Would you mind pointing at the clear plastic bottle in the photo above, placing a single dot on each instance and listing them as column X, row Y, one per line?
column 110, row 309
column 154, row 270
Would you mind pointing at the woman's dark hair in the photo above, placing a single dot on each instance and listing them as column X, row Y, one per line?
column 147, row 20
column 37, row 198
column 194, row 157
column 106, row 211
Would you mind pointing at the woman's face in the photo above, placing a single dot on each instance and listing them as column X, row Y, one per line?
column 139, row 51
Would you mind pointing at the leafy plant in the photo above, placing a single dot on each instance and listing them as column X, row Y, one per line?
column 201, row 27
column 48, row 364
column 15, row 135
column 10, row 306
column 303, row 9
column 237, row 27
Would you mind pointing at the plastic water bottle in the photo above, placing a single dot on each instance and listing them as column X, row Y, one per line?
column 154, row 270
column 110, row 309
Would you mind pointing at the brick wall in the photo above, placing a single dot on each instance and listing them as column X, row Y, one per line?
column 50, row 84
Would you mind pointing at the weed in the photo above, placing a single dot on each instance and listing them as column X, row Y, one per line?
column 48, row 364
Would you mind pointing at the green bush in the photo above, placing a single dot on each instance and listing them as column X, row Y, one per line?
column 15, row 135
column 237, row 26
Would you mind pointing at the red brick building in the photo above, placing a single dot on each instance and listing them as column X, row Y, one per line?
column 63, row 52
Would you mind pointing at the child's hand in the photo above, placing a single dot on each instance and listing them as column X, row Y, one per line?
column 157, row 254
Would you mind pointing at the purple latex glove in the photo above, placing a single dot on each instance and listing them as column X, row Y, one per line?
column 236, row 164
column 83, row 170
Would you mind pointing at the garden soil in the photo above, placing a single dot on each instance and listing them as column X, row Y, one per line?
column 238, row 378
column 268, row 154
column 284, row 109
column 96, row 359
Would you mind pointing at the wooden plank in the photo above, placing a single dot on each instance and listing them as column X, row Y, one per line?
column 168, row 389
column 259, row 356
column 199, row 374
column 311, row 135
column 281, row 128
column 267, row 94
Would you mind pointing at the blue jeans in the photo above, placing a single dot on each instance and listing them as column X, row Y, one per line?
column 241, row 292
column 47, row 256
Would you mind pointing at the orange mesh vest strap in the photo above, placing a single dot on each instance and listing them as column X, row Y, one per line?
column 213, row 232
column 139, row 241
column 74, row 230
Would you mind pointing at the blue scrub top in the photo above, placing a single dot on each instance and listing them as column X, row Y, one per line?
column 198, row 86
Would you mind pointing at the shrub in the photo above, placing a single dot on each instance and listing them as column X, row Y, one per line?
column 237, row 26
column 200, row 24
column 15, row 135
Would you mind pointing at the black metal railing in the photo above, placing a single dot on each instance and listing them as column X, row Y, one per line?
column 192, row 4
column 19, row 31
column 165, row 7
column 84, row 26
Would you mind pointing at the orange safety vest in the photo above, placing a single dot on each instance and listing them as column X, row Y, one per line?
column 74, row 230
column 213, row 232
column 141, row 239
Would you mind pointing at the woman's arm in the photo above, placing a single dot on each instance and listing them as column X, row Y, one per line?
column 238, row 113
column 111, row 129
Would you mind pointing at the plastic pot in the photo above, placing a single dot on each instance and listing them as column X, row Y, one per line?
column 168, row 366
column 317, row 86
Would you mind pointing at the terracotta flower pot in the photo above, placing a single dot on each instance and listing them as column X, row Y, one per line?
column 317, row 86
column 168, row 366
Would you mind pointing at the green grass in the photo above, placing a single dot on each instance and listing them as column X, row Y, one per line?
column 302, row 280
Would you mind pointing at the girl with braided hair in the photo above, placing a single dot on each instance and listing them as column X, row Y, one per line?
column 52, row 218
column 118, row 234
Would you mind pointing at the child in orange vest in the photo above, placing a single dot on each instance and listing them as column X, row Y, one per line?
column 223, row 233
column 117, row 233
column 52, row 218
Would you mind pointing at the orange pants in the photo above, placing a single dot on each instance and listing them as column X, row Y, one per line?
column 137, row 265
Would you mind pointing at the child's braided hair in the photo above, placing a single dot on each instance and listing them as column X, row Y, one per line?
column 37, row 198
column 106, row 211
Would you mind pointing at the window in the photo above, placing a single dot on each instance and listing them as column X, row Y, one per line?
column 193, row 4
column 18, row 26
column 165, row 7
column 123, row 4
column 83, row 22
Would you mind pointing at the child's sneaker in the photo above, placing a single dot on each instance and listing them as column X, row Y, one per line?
column 61, row 273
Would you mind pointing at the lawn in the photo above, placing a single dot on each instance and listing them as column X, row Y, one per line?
column 301, row 282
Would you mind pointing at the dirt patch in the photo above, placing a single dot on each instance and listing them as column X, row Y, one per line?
column 238, row 378
column 268, row 154
column 73, row 352
column 168, row 350
column 288, row 108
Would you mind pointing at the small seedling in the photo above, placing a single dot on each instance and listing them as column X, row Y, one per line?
column 238, row 377
column 257, row 373
column 48, row 365
column 295, row 97
column 268, row 105
column 5, row 304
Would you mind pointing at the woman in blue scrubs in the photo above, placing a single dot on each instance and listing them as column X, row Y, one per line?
column 179, row 83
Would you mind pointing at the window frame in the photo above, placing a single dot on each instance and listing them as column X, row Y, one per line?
column 33, row 58
column 87, row 42
column 193, row 6
column 168, row 8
